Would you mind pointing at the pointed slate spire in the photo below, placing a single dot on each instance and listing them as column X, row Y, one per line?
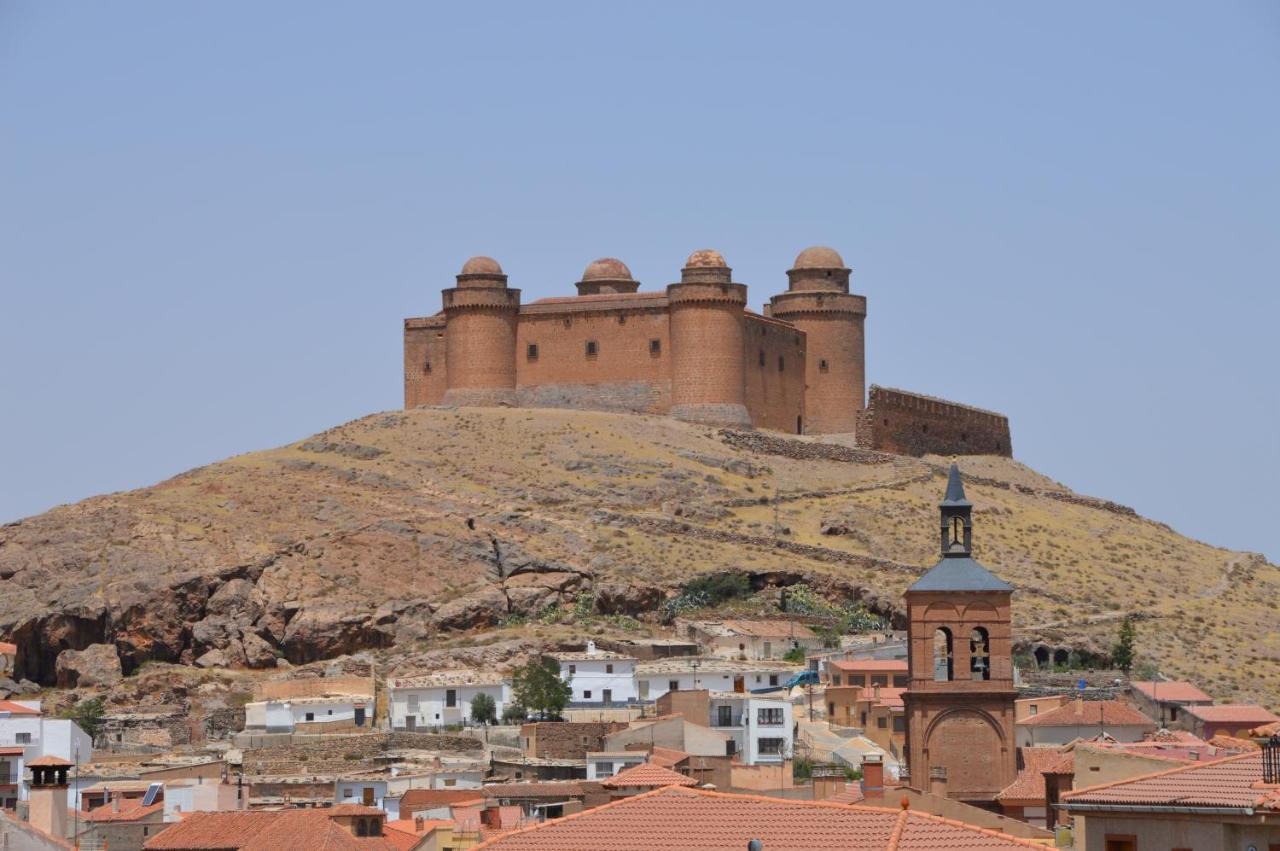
column 958, row 571
column 955, row 489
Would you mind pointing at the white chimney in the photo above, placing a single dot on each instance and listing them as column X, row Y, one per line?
column 591, row 648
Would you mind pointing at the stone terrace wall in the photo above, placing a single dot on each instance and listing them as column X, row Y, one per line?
column 912, row 424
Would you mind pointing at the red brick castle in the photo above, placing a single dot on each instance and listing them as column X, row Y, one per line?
column 693, row 351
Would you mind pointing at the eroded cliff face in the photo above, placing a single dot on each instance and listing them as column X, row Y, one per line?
column 407, row 526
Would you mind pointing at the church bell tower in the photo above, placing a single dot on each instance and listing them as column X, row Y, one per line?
column 960, row 694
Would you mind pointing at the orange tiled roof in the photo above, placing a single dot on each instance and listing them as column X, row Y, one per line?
column 674, row 818
column 1178, row 691
column 404, row 833
column 1272, row 729
column 666, row 757
column 1233, row 782
column 1237, row 713
column 47, row 840
column 8, row 648
column 131, row 809
column 426, row 799
column 282, row 830
column 1076, row 713
column 647, row 774
column 543, row 789
column 1029, row 784
column 851, row 794
column 17, row 708
column 49, row 760
column 1231, row 743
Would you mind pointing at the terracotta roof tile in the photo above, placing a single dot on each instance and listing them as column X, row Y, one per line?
column 1231, row 782
column 1075, row 713
column 1178, row 691
column 1231, row 743
column 1238, row 713
column 674, row 818
column 1272, row 729
column 17, row 708
column 647, row 774
column 544, row 789
column 284, row 830
column 131, row 809
column 770, row 629
column 1029, row 784
column 667, row 757
column 49, row 760
column 414, row 800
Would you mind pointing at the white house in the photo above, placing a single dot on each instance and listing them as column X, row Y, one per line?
column 601, row 765
column 442, row 698
column 759, row 725
column 286, row 715
column 368, row 792
column 686, row 673
column 598, row 677
column 25, row 734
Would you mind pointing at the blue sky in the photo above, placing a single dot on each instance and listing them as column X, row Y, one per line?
column 214, row 216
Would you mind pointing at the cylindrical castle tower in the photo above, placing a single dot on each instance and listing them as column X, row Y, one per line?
column 818, row 302
column 708, row 379
column 480, row 336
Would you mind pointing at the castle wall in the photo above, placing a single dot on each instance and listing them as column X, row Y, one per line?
column 425, row 371
column 911, row 424
column 835, row 372
column 480, row 345
column 775, row 396
column 624, row 374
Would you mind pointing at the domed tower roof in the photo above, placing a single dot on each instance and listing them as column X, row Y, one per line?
column 706, row 266
column 607, row 275
column 481, row 266
column 819, row 268
column 819, row 257
column 706, row 258
column 482, row 272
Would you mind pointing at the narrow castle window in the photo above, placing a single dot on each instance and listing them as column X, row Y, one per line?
column 592, row 349
column 782, row 364
column 655, row 347
column 533, row 351
column 762, row 357
column 426, row 366
column 822, row 365
column 622, row 320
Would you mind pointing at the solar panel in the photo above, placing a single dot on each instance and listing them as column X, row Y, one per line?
column 152, row 791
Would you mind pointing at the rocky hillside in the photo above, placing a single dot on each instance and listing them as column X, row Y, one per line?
column 401, row 529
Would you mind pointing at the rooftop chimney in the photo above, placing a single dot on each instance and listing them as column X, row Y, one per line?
column 591, row 648
column 419, row 824
column 872, row 774
column 48, row 796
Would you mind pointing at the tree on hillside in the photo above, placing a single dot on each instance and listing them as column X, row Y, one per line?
column 1122, row 652
column 537, row 687
column 483, row 709
column 88, row 715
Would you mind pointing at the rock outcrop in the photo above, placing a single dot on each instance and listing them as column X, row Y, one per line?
column 394, row 529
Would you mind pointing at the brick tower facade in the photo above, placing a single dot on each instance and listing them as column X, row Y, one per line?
column 960, row 697
column 480, row 336
column 707, row 343
column 818, row 302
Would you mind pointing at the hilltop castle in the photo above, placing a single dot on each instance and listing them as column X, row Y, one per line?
column 693, row 351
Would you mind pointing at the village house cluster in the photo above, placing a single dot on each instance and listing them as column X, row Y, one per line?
column 743, row 729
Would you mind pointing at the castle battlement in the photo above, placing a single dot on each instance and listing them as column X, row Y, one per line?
column 692, row 351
